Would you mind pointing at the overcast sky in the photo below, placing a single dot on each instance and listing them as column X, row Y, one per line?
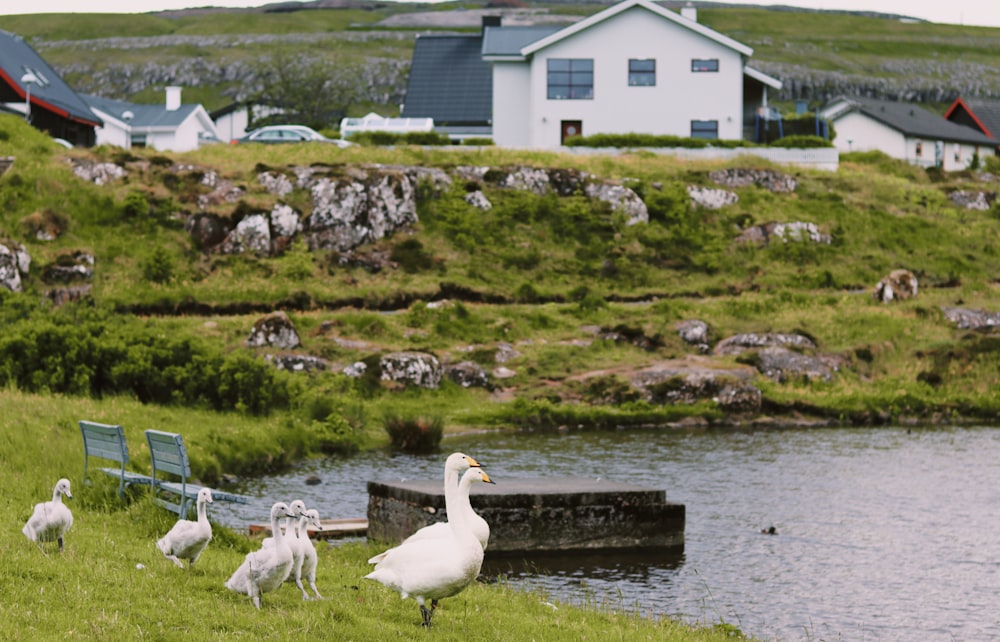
column 968, row 12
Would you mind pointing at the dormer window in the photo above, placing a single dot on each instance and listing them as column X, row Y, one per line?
column 699, row 65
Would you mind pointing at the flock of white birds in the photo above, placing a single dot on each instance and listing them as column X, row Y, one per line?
column 436, row 562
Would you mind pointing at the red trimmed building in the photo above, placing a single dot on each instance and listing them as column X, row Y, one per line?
column 32, row 89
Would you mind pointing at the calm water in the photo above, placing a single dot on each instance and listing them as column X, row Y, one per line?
column 882, row 534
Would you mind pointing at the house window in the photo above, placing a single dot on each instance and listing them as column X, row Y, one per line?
column 705, row 64
column 920, row 148
column 571, row 78
column 704, row 129
column 641, row 73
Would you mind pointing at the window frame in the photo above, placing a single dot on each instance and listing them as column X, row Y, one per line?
column 704, row 65
column 634, row 73
column 699, row 129
column 576, row 80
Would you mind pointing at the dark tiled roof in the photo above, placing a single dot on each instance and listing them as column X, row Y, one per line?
column 977, row 113
column 449, row 81
column 917, row 122
column 143, row 116
column 51, row 93
column 508, row 41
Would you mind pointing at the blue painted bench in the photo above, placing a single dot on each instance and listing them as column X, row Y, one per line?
column 169, row 456
column 107, row 441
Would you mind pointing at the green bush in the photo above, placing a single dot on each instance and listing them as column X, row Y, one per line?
column 650, row 140
column 801, row 141
column 383, row 138
column 477, row 142
column 414, row 434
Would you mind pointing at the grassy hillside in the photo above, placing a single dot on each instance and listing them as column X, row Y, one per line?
column 537, row 272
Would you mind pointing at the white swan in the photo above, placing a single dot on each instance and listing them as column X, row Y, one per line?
column 454, row 467
column 434, row 568
column 310, row 560
column 264, row 570
column 187, row 539
column 298, row 509
column 50, row 520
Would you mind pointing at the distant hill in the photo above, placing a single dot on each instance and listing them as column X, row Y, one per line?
column 213, row 53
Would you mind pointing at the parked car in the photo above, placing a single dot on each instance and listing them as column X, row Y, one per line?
column 273, row 134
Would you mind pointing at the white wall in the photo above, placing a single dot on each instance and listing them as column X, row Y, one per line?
column 860, row 133
column 232, row 125
column 511, row 108
column 678, row 97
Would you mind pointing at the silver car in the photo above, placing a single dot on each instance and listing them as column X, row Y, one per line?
column 273, row 134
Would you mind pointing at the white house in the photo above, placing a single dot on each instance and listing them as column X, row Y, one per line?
column 633, row 67
column 171, row 126
column 905, row 131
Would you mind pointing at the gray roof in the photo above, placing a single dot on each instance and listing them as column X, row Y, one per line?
column 917, row 122
column 50, row 93
column 508, row 41
column 449, row 81
column 143, row 116
column 984, row 115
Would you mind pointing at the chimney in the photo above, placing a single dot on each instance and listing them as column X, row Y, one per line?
column 690, row 12
column 490, row 21
column 173, row 98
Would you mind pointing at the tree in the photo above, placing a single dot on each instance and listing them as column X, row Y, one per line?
column 316, row 92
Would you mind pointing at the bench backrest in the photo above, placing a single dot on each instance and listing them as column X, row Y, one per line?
column 168, row 454
column 105, row 441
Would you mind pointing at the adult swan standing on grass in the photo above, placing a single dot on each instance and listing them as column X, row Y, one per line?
column 51, row 520
column 187, row 539
column 454, row 467
column 434, row 568
column 264, row 570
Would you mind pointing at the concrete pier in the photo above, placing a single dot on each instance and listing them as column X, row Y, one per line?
column 540, row 514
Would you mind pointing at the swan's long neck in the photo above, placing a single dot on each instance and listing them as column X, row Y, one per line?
column 301, row 531
column 451, row 494
column 458, row 518
column 279, row 537
column 57, row 496
column 202, row 512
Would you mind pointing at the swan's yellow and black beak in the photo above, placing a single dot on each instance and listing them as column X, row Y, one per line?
column 472, row 462
column 486, row 478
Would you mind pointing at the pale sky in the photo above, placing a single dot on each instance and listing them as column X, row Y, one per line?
column 968, row 12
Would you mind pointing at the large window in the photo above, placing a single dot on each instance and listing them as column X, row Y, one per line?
column 701, row 65
column 704, row 129
column 641, row 73
column 571, row 78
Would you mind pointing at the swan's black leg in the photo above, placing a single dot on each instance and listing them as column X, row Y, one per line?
column 60, row 544
column 426, row 613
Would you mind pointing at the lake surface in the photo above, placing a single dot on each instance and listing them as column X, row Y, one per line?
column 882, row 533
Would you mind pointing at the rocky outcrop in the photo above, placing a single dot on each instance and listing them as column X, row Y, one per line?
column 899, row 285
column 765, row 178
column 412, row 368
column 478, row 200
column 694, row 332
column 70, row 267
column 782, row 364
column 97, row 172
column 971, row 319
column 794, row 231
column 740, row 343
column 275, row 330
column 711, row 198
column 348, row 212
column 14, row 265
column 298, row 362
column 971, row 200
column 468, row 374
column 621, row 199
column 691, row 381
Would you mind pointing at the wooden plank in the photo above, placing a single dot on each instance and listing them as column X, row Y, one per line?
column 331, row 528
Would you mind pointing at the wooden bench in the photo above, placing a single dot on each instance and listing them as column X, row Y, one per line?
column 169, row 456
column 108, row 442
